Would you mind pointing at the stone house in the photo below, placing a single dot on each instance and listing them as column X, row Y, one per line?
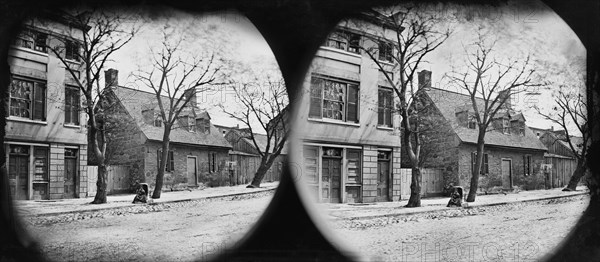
column 245, row 157
column 197, row 154
column 344, row 120
column 46, row 138
column 512, row 155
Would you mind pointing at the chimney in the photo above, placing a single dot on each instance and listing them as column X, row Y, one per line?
column 508, row 103
column 111, row 77
column 424, row 79
column 193, row 101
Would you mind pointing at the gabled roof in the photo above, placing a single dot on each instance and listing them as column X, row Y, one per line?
column 447, row 102
column 261, row 141
column 135, row 101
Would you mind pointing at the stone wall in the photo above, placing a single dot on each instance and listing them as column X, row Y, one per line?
column 369, row 173
column 56, row 171
column 494, row 177
column 177, row 179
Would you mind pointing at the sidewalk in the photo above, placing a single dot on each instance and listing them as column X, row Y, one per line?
column 63, row 206
column 391, row 209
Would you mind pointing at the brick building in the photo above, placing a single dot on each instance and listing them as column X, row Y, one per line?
column 197, row 154
column 46, row 140
column 349, row 151
column 512, row 155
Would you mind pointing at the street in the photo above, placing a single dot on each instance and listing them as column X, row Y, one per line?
column 516, row 232
column 181, row 231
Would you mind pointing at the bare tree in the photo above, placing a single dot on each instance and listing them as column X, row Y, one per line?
column 264, row 103
column 105, row 35
column 415, row 34
column 571, row 109
column 492, row 81
column 175, row 76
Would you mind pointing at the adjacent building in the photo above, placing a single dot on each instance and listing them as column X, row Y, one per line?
column 513, row 155
column 198, row 153
column 245, row 158
column 46, row 140
column 350, row 151
column 560, row 160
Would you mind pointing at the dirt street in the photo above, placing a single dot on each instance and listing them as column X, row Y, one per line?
column 516, row 232
column 180, row 231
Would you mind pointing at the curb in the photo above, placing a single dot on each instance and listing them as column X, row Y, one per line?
column 354, row 218
column 129, row 204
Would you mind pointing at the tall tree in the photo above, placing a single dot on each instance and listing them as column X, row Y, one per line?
column 570, row 108
column 175, row 76
column 263, row 102
column 491, row 80
column 106, row 34
column 415, row 33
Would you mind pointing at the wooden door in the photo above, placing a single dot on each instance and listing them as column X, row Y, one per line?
column 383, row 171
column 18, row 172
column 331, row 180
column 191, row 171
column 69, row 176
column 506, row 174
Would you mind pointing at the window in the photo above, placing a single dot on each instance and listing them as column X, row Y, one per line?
column 203, row 125
column 157, row 121
column 27, row 99
column 32, row 40
column 385, row 107
column 72, row 105
column 472, row 123
column 353, row 156
column 311, row 163
column 386, row 52
column 334, row 100
column 212, row 162
column 527, row 168
column 41, row 163
column 484, row 168
column 72, row 50
column 344, row 41
column 170, row 166
column 505, row 126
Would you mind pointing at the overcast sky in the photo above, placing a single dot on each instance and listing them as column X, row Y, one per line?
column 523, row 27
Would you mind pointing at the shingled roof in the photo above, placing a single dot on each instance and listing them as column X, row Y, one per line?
column 447, row 102
column 261, row 141
column 135, row 101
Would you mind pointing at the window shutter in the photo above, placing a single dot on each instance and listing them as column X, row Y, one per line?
column 158, row 157
column 68, row 105
column 485, row 164
column 316, row 99
column 352, row 103
column 171, row 161
column 380, row 107
column 354, row 174
column 39, row 101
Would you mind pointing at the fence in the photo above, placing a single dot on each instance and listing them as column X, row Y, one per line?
column 432, row 182
column 118, row 179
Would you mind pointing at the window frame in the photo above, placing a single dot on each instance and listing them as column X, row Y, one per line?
column 527, row 166
column 170, row 166
column 385, row 51
column 319, row 94
column 74, row 114
column 30, row 39
column 355, row 179
column 32, row 100
column 505, row 126
column 485, row 168
column 471, row 121
column 212, row 162
column 351, row 41
column 381, row 109
column 72, row 50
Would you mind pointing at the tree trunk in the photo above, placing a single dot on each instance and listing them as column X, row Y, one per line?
column 476, row 171
column 160, row 174
column 415, row 188
column 577, row 175
column 262, row 171
column 100, row 197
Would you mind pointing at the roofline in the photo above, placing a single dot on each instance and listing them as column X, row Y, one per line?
column 507, row 147
column 188, row 144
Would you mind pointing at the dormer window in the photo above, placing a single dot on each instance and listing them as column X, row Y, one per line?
column 157, row 122
column 203, row 125
column 472, row 124
column 505, row 126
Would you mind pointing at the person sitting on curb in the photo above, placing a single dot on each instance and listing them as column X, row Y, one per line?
column 140, row 196
column 455, row 199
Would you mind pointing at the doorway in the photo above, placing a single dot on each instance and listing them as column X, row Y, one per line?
column 191, row 171
column 506, row 174
column 383, row 175
column 70, row 174
column 331, row 175
column 18, row 172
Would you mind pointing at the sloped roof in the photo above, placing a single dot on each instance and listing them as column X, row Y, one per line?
column 135, row 101
column 261, row 141
column 447, row 102
column 576, row 141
